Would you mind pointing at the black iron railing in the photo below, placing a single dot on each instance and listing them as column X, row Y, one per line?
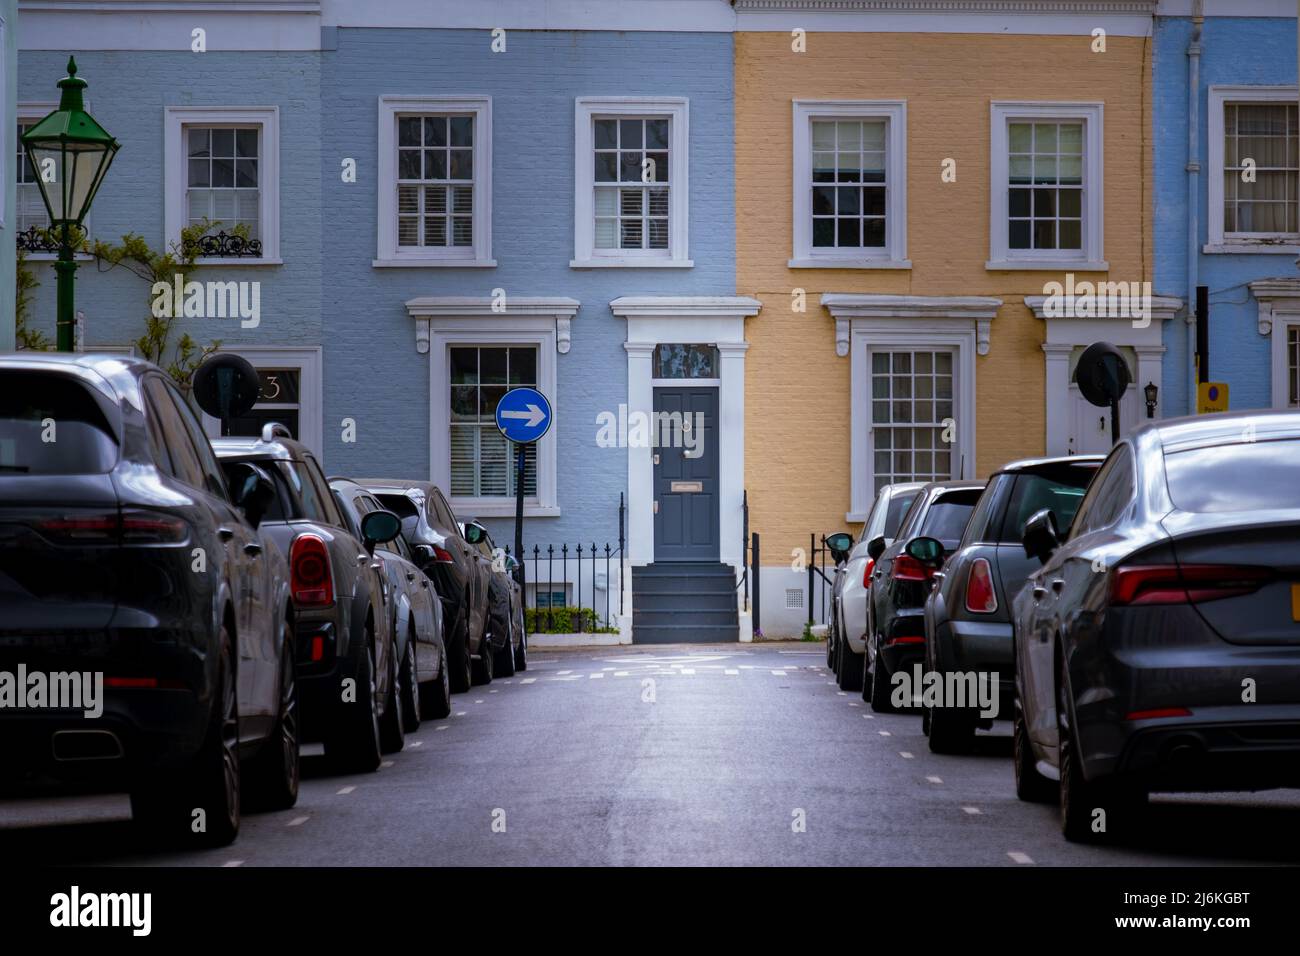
column 552, row 567
column 821, row 582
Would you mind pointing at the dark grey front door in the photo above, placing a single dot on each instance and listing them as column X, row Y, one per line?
column 686, row 474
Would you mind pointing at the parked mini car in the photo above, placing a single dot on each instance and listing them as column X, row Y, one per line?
column 900, row 583
column 506, row 603
column 846, row 638
column 346, row 665
column 125, row 553
column 1158, row 646
column 968, row 614
column 423, row 674
column 462, row 578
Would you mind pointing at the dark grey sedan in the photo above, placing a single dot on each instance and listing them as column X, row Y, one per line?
column 968, row 614
column 1158, row 646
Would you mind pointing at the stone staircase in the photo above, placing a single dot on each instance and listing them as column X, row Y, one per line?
column 684, row 602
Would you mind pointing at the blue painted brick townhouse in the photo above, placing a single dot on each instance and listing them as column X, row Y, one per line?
column 448, row 205
column 1242, row 238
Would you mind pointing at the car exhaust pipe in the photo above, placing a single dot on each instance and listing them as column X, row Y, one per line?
column 1182, row 752
column 71, row 745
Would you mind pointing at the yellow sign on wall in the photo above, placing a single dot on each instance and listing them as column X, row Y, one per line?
column 1211, row 397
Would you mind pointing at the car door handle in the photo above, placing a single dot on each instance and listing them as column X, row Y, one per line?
column 362, row 558
column 1057, row 584
column 225, row 534
column 938, row 575
column 377, row 566
column 252, row 548
column 1038, row 592
column 410, row 576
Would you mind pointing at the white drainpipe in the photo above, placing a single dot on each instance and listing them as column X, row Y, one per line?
column 1193, row 192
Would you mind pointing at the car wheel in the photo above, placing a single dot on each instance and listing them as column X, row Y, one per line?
column 484, row 666
column 521, row 652
column 1092, row 811
column 849, row 672
column 354, row 742
column 880, row 702
column 410, row 689
column 461, row 670
column 271, row 777
column 952, row 730
column 505, row 662
column 1031, row 786
column 435, row 696
column 392, row 728
column 830, row 644
column 204, row 810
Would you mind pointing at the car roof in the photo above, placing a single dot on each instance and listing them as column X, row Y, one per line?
column 283, row 449
column 902, row 487
column 1029, row 464
column 956, row 484
column 1221, row 428
column 402, row 485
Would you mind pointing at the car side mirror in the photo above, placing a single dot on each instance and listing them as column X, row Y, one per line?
column 928, row 551
column 378, row 527
column 474, row 532
column 1040, row 537
column 254, row 492
column 839, row 545
column 423, row 555
column 876, row 547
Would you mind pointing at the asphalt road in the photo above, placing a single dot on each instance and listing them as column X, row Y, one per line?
column 688, row 755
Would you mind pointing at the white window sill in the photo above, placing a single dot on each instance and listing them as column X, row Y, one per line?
column 829, row 263
column 504, row 508
column 856, row 517
column 620, row 262
column 238, row 261
column 1287, row 247
column 1046, row 265
column 414, row 263
column 54, row 257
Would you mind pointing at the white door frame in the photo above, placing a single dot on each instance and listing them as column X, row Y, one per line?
column 715, row 320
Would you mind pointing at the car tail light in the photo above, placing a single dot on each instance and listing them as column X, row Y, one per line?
column 1159, row 712
column 129, row 527
column 442, row 556
column 911, row 639
column 866, row 574
column 144, row 683
column 907, row 568
column 981, row 598
column 309, row 568
column 1194, row 583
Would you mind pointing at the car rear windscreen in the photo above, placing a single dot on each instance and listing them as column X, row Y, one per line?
column 1250, row 476
column 1059, row 490
column 50, row 425
column 947, row 517
column 399, row 505
column 898, row 506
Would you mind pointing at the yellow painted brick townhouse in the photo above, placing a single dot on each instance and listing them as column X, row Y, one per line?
column 907, row 184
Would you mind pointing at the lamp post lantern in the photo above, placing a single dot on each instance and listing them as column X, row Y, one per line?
column 1152, row 395
column 70, row 153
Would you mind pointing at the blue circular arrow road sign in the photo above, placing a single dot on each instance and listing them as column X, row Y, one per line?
column 523, row 415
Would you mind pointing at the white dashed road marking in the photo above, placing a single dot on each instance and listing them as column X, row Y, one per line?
column 298, row 821
column 884, row 733
column 528, row 680
column 935, row 779
column 731, row 672
column 973, row 811
column 233, row 863
column 343, row 791
column 1019, row 857
column 905, row 755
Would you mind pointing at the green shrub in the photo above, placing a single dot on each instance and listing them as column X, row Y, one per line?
column 564, row 620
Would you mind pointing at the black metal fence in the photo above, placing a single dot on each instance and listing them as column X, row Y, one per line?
column 550, row 567
column 821, row 580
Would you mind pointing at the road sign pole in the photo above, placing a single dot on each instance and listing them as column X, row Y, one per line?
column 519, row 521
column 1114, row 421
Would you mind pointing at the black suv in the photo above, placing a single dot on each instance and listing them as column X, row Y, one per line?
column 347, row 665
column 125, row 556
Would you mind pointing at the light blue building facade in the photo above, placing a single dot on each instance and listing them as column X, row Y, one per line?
column 1229, row 224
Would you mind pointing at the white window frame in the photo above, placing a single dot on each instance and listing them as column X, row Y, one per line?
column 1282, row 327
column 1091, row 257
column 1262, row 243
column 894, row 253
column 504, row 332
column 387, row 253
column 175, row 173
column 309, row 364
column 587, row 109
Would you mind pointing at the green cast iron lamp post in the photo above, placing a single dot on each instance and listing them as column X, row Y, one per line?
column 70, row 153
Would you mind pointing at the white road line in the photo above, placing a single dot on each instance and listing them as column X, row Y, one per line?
column 595, row 675
column 778, row 673
column 935, row 779
column 884, row 733
column 479, row 700
column 564, row 672
column 854, row 703
column 528, row 680
column 233, row 863
column 494, row 691
column 620, row 673
column 831, row 683
column 905, row 755
column 607, row 668
column 298, row 821
column 344, row 791
column 506, row 681
column 441, row 727
column 460, row 713
column 386, row 763
column 417, row 743
column 973, row 811
column 749, row 667
column 1019, row 857
column 687, row 670
column 838, row 693
column 867, row 717
column 732, row 672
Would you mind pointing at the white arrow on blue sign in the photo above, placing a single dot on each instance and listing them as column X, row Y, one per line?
column 523, row 415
